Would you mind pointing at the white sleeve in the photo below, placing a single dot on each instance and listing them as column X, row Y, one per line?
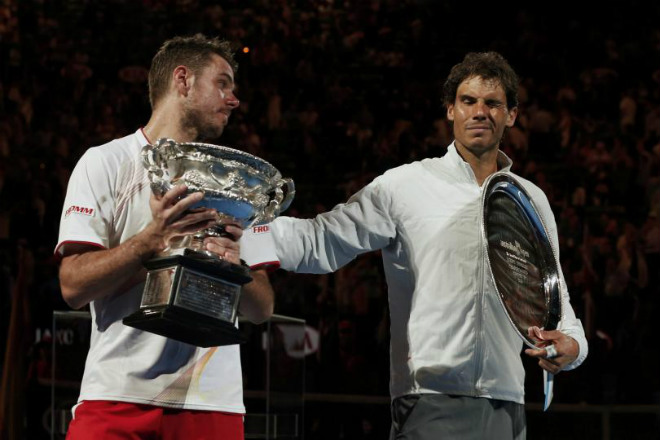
column 333, row 239
column 258, row 248
column 569, row 324
column 88, row 205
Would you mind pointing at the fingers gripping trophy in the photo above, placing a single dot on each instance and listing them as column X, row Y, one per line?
column 190, row 294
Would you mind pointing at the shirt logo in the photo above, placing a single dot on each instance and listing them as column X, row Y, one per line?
column 74, row 209
column 261, row 229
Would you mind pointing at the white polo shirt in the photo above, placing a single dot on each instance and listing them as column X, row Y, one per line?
column 107, row 203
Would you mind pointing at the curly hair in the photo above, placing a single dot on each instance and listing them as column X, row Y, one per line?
column 487, row 65
column 193, row 52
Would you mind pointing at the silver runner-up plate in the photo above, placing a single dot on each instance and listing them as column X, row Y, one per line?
column 521, row 259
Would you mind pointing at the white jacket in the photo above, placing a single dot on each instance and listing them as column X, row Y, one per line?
column 449, row 333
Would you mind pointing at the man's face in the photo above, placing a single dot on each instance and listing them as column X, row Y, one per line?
column 480, row 115
column 211, row 99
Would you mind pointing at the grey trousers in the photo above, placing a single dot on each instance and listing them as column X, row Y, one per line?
column 440, row 417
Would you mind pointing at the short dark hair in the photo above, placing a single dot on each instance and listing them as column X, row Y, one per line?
column 487, row 65
column 193, row 52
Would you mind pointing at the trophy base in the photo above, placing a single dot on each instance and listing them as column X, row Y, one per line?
column 192, row 299
column 185, row 326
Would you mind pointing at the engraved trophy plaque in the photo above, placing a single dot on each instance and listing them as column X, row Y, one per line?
column 190, row 294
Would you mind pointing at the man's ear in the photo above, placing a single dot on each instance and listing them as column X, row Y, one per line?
column 511, row 117
column 182, row 79
column 450, row 112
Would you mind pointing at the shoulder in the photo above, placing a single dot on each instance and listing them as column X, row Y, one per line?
column 407, row 171
column 118, row 149
column 536, row 193
column 430, row 171
column 538, row 197
column 111, row 155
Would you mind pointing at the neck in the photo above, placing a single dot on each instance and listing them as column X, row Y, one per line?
column 483, row 164
column 166, row 123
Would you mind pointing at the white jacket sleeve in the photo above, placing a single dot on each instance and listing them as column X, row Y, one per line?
column 334, row 238
column 569, row 324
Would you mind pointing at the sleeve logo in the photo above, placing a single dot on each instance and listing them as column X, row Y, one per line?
column 83, row 210
column 262, row 229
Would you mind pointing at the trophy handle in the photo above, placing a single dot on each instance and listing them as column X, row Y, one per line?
column 153, row 161
column 280, row 201
column 288, row 197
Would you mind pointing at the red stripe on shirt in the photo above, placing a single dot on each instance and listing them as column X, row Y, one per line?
column 270, row 266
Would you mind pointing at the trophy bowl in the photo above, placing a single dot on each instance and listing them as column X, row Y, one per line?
column 190, row 294
column 243, row 188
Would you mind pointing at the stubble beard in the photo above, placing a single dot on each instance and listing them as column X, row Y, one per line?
column 194, row 121
column 478, row 149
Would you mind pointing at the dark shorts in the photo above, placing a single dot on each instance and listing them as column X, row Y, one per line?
column 101, row 419
column 439, row 417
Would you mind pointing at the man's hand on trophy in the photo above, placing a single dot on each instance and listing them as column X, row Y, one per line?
column 172, row 216
column 555, row 349
column 226, row 246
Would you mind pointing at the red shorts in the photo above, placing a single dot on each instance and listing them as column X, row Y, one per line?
column 123, row 420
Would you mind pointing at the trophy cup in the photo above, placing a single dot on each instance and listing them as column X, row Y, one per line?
column 190, row 294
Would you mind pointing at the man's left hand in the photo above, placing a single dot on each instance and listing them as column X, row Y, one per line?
column 566, row 349
column 227, row 247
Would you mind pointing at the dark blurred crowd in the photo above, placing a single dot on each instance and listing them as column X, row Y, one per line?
column 333, row 93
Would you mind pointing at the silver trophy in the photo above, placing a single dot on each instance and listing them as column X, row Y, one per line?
column 524, row 267
column 190, row 294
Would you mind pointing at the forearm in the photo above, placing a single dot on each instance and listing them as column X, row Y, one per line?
column 331, row 240
column 93, row 274
column 582, row 347
column 257, row 298
column 87, row 274
column 571, row 326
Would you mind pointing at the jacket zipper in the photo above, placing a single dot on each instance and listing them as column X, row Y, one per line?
column 478, row 352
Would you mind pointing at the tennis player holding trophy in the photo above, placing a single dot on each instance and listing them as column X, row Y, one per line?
column 470, row 257
column 164, row 360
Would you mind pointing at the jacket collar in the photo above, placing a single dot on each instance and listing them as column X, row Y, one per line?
column 504, row 163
